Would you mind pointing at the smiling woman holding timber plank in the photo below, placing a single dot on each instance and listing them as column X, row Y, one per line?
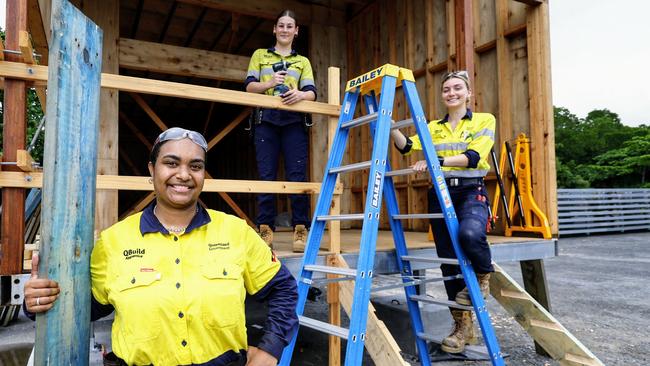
column 176, row 274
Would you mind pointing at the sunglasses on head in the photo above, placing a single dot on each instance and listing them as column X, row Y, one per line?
column 462, row 74
column 177, row 133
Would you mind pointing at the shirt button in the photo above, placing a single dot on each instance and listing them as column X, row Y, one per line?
column 133, row 280
column 176, row 238
column 183, row 343
column 177, row 261
column 178, row 285
column 180, row 314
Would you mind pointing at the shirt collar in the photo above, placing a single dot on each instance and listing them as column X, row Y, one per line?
column 272, row 49
column 149, row 223
column 467, row 115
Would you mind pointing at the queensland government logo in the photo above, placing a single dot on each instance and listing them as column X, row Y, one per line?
column 133, row 253
column 218, row 246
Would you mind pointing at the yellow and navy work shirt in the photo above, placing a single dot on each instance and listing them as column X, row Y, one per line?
column 299, row 76
column 473, row 136
column 179, row 299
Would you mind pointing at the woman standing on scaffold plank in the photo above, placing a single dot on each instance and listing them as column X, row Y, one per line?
column 281, row 71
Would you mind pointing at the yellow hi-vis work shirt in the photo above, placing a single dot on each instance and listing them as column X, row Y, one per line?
column 474, row 132
column 299, row 74
column 179, row 299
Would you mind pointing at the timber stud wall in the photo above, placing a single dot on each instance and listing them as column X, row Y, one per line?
column 511, row 63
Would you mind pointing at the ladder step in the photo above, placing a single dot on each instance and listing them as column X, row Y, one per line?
column 419, row 216
column 350, row 272
column 400, row 172
column 323, row 327
column 351, row 167
column 401, row 124
column 340, row 217
column 447, row 303
column 363, row 120
column 413, row 258
column 471, row 351
column 415, row 283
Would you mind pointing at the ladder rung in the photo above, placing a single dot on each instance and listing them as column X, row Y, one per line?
column 360, row 121
column 350, row 272
column 419, row 216
column 341, row 217
column 323, row 327
column 401, row 124
column 351, row 167
column 413, row 258
column 415, row 283
column 447, row 303
column 399, row 172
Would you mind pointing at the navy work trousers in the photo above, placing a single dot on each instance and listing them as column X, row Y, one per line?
column 472, row 213
column 292, row 141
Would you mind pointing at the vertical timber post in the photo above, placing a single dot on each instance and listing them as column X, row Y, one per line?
column 69, row 180
column 14, row 134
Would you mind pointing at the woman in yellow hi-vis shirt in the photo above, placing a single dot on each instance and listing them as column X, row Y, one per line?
column 176, row 274
column 463, row 141
column 281, row 71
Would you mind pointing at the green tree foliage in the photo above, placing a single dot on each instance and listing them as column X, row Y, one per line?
column 600, row 151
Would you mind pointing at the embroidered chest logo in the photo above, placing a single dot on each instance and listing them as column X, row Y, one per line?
column 133, row 253
column 466, row 135
column 218, row 246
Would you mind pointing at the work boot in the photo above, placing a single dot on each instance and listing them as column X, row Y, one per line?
column 462, row 297
column 299, row 238
column 266, row 233
column 462, row 334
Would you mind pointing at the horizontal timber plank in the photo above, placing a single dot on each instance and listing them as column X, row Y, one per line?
column 19, row 70
column 175, row 60
column 35, row 180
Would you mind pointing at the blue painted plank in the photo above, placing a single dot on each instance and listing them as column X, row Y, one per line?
column 70, row 165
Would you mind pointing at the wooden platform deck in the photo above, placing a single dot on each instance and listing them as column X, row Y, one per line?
column 504, row 249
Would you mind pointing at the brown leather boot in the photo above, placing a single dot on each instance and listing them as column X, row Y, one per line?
column 462, row 297
column 266, row 233
column 299, row 238
column 462, row 334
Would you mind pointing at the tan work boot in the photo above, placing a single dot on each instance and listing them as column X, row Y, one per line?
column 462, row 334
column 299, row 238
column 266, row 233
column 462, row 297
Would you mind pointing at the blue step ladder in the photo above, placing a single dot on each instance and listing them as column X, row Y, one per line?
column 383, row 80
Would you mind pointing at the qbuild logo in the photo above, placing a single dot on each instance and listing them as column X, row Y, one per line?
column 133, row 253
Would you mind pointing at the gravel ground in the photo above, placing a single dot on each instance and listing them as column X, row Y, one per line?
column 599, row 291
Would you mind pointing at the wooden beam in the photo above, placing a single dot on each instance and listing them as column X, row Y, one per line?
column 14, row 135
column 380, row 344
column 464, row 28
column 539, row 323
column 72, row 133
column 145, row 107
column 334, row 98
column 130, row 183
column 269, row 9
column 542, row 131
column 140, row 205
column 27, row 51
column 175, row 60
column 170, row 89
column 234, row 123
column 534, row 276
column 136, row 131
column 24, row 161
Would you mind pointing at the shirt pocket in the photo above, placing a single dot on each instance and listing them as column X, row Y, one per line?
column 137, row 305
column 223, row 295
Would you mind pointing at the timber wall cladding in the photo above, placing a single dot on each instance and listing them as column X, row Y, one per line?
column 418, row 34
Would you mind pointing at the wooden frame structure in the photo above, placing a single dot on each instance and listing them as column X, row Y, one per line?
column 169, row 48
